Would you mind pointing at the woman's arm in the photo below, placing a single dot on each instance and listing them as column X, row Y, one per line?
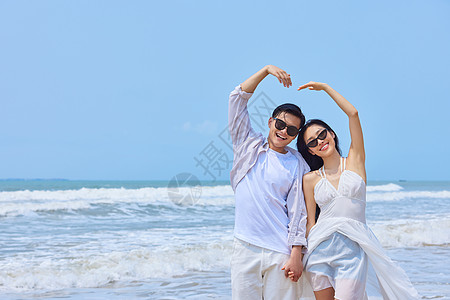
column 357, row 152
column 252, row 82
column 309, row 181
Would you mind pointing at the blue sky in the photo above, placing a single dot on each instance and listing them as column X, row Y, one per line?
column 139, row 89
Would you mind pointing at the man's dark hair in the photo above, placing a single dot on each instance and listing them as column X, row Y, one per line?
column 290, row 109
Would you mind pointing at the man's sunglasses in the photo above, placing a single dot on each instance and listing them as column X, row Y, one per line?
column 322, row 135
column 280, row 125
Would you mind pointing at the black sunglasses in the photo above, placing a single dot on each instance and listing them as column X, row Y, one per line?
column 322, row 135
column 280, row 125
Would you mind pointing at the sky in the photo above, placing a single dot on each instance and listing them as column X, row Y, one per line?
column 138, row 90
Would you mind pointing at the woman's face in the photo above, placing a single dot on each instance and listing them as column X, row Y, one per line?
column 322, row 140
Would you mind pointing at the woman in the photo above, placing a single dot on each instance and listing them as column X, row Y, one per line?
column 343, row 254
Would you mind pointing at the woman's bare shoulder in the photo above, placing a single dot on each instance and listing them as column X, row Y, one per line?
column 310, row 179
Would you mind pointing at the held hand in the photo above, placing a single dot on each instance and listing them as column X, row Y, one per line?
column 282, row 76
column 293, row 269
column 316, row 86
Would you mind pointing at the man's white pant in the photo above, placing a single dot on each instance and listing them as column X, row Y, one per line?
column 256, row 274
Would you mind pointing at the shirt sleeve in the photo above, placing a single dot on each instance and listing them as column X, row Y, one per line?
column 297, row 213
column 238, row 117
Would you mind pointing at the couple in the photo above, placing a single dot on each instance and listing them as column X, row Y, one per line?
column 277, row 190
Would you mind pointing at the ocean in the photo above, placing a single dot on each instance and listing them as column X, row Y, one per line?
column 171, row 240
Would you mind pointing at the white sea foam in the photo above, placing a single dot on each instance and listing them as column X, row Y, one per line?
column 413, row 233
column 106, row 195
column 390, row 187
column 28, row 202
column 111, row 195
column 90, row 266
column 101, row 269
column 402, row 195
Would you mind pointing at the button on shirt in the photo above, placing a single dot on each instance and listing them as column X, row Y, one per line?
column 267, row 185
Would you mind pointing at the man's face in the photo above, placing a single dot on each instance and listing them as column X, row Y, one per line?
column 279, row 138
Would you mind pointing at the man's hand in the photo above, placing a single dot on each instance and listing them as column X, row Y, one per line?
column 294, row 266
column 252, row 82
column 282, row 76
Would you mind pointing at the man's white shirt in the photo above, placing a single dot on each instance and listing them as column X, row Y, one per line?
column 261, row 212
column 282, row 205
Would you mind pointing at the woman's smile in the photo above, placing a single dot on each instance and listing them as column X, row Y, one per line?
column 324, row 147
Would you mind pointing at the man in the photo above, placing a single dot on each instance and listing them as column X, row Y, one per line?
column 270, row 218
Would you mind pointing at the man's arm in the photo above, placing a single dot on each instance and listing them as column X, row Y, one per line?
column 296, row 228
column 297, row 214
column 238, row 118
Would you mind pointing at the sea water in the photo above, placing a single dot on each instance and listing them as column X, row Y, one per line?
column 139, row 240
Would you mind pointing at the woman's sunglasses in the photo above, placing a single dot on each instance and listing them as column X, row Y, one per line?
column 322, row 135
column 280, row 125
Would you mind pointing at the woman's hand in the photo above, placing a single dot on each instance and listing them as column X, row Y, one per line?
column 282, row 76
column 316, row 86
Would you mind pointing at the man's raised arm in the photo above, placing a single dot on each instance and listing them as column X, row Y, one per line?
column 238, row 118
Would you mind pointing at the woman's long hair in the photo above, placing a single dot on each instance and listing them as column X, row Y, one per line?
column 314, row 161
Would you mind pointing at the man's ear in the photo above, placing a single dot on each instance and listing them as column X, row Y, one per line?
column 270, row 121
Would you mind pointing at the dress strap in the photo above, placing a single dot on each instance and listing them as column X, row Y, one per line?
column 322, row 173
column 343, row 159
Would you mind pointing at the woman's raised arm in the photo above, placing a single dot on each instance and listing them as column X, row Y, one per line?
column 357, row 152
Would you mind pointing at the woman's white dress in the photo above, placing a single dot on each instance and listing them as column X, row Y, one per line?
column 342, row 250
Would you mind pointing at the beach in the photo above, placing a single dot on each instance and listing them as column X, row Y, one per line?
column 137, row 239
